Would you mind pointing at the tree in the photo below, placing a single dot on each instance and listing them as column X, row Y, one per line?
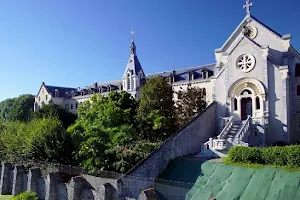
column 40, row 139
column 103, row 123
column 156, row 112
column 53, row 110
column 17, row 109
column 189, row 103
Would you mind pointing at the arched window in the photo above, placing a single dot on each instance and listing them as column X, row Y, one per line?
column 297, row 70
column 245, row 92
column 128, row 82
column 235, row 104
column 203, row 91
column 257, row 102
column 298, row 90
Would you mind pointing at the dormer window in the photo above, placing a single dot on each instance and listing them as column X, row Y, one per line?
column 73, row 93
column 172, row 79
column 56, row 93
column 191, row 76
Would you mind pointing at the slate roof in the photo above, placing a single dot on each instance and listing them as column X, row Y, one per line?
column 62, row 90
column 182, row 75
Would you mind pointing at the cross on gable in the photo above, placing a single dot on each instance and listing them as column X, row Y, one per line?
column 247, row 6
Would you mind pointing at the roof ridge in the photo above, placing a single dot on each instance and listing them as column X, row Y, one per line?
column 182, row 69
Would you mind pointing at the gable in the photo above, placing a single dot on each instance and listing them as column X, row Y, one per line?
column 43, row 90
column 265, row 36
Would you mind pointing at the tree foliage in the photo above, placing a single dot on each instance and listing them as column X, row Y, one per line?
column 189, row 103
column 41, row 139
column 156, row 113
column 53, row 110
column 17, row 109
column 103, row 124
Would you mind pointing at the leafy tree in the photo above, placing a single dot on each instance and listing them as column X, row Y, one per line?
column 53, row 110
column 156, row 112
column 5, row 107
column 189, row 103
column 17, row 109
column 103, row 123
column 41, row 139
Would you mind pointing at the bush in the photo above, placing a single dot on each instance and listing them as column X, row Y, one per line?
column 26, row 196
column 278, row 155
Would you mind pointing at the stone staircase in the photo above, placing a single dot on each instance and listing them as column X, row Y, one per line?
column 234, row 133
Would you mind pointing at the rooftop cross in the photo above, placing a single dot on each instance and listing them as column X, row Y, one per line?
column 132, row 34
column 247, row 6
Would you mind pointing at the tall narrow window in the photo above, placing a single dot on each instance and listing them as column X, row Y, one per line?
column 297, row 70
column 71, row 106
column 46, row 97
column 257, row 103
column 235, row 104
column 128, row 82
column 298, row 90
column 76, row 105
column 39, row 98
column 204, row 75
column 191, row 76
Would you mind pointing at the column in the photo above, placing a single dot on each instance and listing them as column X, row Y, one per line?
column 5, row 184
column 18, row 180
column 33, row 180
column 51, row 186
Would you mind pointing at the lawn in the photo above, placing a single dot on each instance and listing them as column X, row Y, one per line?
column 5, row 197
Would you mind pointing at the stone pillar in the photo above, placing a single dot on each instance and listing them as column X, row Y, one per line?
column 5, row 184
column 75, row 188
column 33, row 180
column 51, row 186
column 18, row 180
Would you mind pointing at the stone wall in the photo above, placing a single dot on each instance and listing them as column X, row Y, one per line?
column 186, row 141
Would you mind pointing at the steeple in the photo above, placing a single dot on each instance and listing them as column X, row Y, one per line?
column 132, row 46
column 133, row 74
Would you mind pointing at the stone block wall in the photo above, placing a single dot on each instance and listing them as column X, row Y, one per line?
column 16, row 179
column 55, row 186
column 187, row 140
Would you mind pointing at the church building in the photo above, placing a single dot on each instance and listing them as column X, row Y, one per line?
column 255, row 82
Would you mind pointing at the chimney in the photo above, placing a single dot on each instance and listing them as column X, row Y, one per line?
column 95, row 85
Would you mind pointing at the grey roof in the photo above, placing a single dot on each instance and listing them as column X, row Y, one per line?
column 62, row 90
column 182, row 75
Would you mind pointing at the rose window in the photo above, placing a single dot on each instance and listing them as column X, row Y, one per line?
column 245, row 62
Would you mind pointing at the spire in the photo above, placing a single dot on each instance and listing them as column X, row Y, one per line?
column 247, row 6
column 132, row 46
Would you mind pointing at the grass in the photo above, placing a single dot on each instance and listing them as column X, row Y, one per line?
column 227, row 161
column 5, row 197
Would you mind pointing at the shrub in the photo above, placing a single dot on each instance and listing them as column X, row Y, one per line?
column 26, row 196
column 278, row 155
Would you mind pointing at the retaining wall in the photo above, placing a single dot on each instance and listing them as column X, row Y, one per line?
column 187, row 140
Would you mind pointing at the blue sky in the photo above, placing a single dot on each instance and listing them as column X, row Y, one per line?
column 75, row 42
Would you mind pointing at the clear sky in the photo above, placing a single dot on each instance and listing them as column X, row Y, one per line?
column 77, row 42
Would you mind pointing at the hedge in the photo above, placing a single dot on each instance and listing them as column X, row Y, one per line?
column 279, row 156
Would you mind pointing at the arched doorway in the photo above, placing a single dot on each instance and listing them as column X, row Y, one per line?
column 246, row 107
column 246, row 97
